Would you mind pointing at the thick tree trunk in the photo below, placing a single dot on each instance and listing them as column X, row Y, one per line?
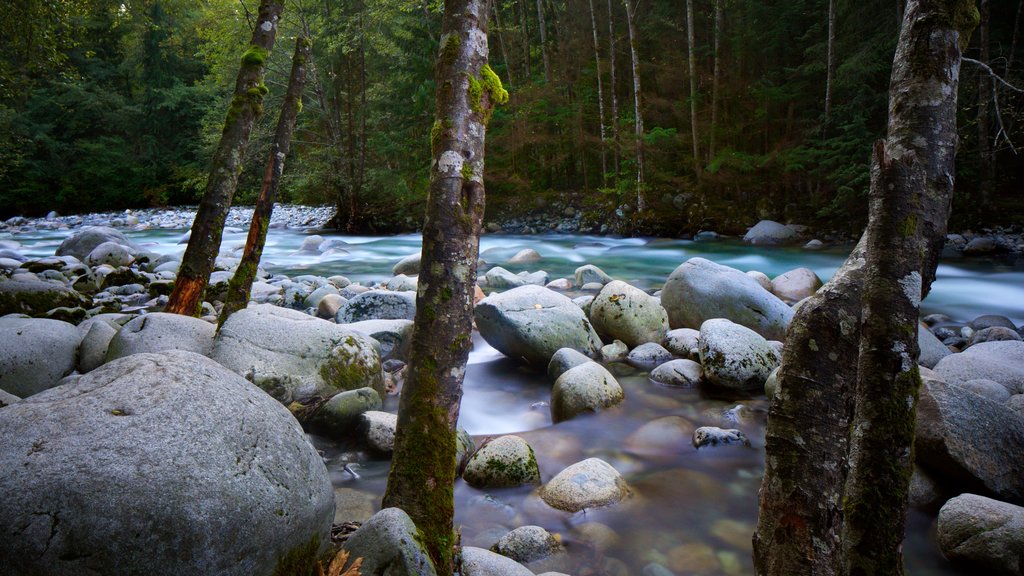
column 830, row 63
column 600, row 96
column 800, row 521
column 240, row 286
column 612, row 84
column 208, row 226
column 715, row 80
column 423, row 466
column 638, row 125
column 692, row 58
column 543, row 41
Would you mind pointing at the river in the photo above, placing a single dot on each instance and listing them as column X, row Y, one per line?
column 692, row 512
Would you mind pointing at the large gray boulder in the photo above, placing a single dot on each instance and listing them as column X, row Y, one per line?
column 395, row 336
column 409, row 265
column 932, row 349
column 528, row 544
column 591, row 483
column 735, row 357
column 389, row 545
column 158, row 464
column 532, row 322
column 378, row 305
column 294, row 356
column 341, row 415
column 585, row 388
column 93, row 351
column 111, row 253
column 480, row 562
column 35, row 353
column 36, row 297
column 1001, row 362
column 503, row 462
column 770, row 233
column 160, row 331
column 81, row 243
column 983, row 534
column 970, row 441
column 623, row 312
column 796, row 284
column 699, row 290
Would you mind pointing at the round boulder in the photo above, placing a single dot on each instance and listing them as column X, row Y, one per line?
column 527, row 544
column 735, row 357
column 160, row 331
column 36, row 297
column 159, row 464
column 591, row 483
column 503, row 462
column 81, row 243
column 678, row 374
column 796, row 284
column 585, row 388
column 1001, row 361
column 983, row 534
column 36, row 353
column 110, row 253
column 623, row 312
column 770, row 233
column 378, row 305
column 699, row 290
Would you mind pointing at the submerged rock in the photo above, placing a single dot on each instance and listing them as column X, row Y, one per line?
column 591, row 483
column 158, row 464
column 585, row 388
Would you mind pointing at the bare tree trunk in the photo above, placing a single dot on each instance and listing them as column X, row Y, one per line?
column 600, row 97
column 801, row 515
column 240, row 286
column 830, row 63
column 208, row 226
column 501, row 44
column 525, row 29
column 612, row 86
column 692, row 58
column 716, row 80
column 986, row 162
column 641, row 203
column 1013, row 42
column 423, row 466
column 543, row 41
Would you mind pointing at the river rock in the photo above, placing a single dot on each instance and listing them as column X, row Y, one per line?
column 932, row 349
column 714, row 436
column 160, row 331
column 735, row 357
column 340, row 416
column 503, row 462
column 993, row 334
column 82, row 242
column 110, row 253
column 678, row 374
column 532, row 323
column 665, row 436
column 410, row 265
column 158, row 464
column 563, row 360
column 969, row 440
column 990, row 389
column 93, row 350
column 528, row 544
column 983, row 534
column 402, row 283
column 294, row 356
column 328, row 306
column 35, row 297
column 389, row 544
column 1002, row 362
column 499, row 278
column 592, row 483
column 378, row 305
column 317, row 295
column 525, row 256
column 682, row 342
column 770, row 233
column 648, row 356
column 588, row 273
column 6, row 398
column 586, row 388
column 395, row 336
column 990, row 320
column 761, row 278
column 480, row 562
column 379, row 430
column 35, row 353
column 615, row 352
column 626, row 313
column 980, row 246
column 699, row 290
column 796, row 284
column 814, row 244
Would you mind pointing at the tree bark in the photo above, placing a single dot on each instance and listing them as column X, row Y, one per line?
column 715, row 80
column 692, row 58
column 801, row 516
column 543, row 41
column 641, row 202
column 830, row 64
column 612, row 84
column 600, row 97
column 423, row 466
column 208, row 226
column 240, row 286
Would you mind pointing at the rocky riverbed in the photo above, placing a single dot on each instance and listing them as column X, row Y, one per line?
column 93, row 371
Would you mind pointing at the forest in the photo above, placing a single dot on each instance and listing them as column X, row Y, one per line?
column 769, row 106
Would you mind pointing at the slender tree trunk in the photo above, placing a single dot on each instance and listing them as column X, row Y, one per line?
column 986, row 161
column 641, row 203
column 830, row 64
column 525, row 29
column 716, row 80
column 692, row 58
column 543, row 41
column 1013, row 42
column 501, row 43
column 600, row 96
column 240, row 286
column 612, row 84
column 208, row 226
column 800, row 522
column 423, row 466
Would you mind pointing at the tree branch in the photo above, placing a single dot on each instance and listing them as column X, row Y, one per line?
column 1001, row 132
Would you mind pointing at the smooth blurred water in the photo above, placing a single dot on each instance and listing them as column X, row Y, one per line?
column 691, row 511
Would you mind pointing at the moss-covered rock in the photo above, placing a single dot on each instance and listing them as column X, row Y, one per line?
column 503, row 462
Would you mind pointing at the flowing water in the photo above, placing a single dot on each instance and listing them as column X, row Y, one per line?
column 690, row 511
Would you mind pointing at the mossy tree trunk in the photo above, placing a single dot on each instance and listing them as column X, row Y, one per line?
column 240, row 286
column 246, row 106
column 801, row 518
column 423, row 466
